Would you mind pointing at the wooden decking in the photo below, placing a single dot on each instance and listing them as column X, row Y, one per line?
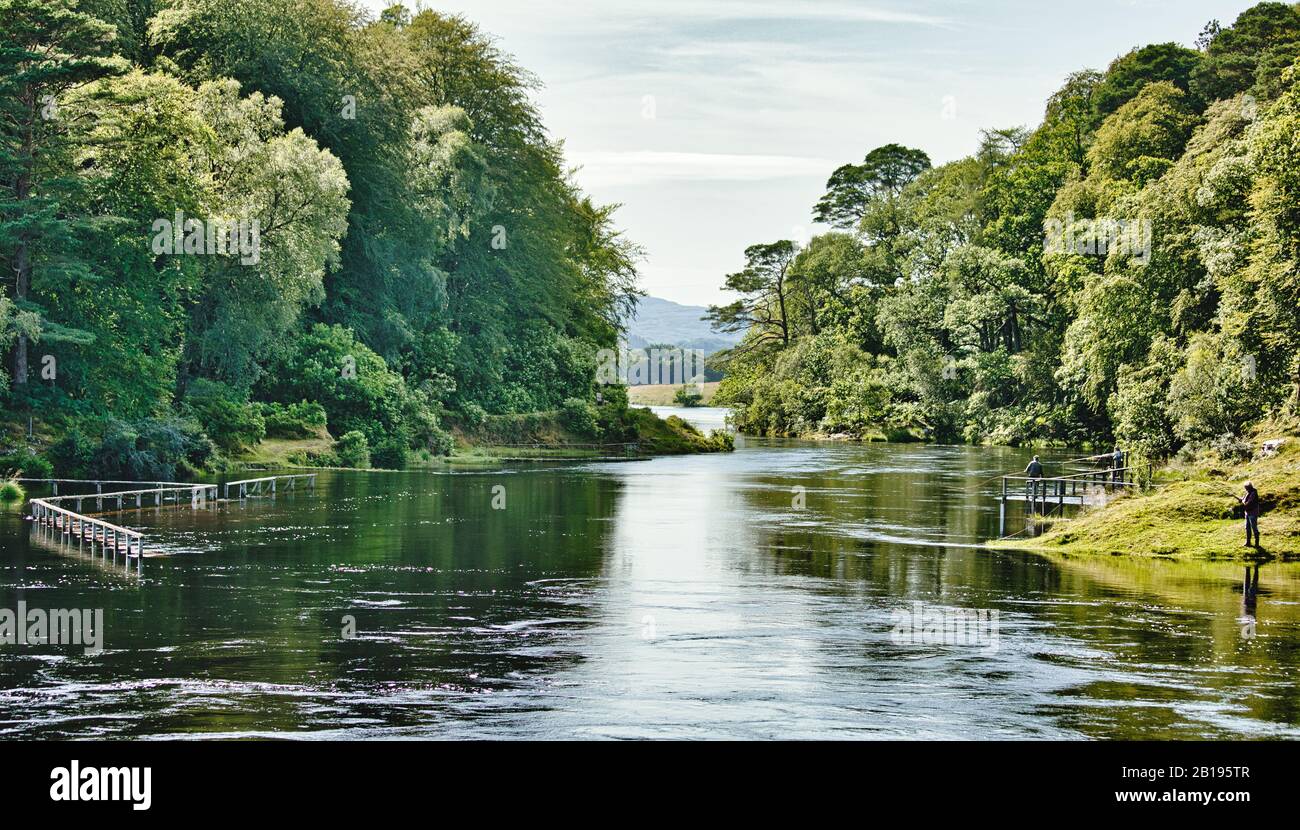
column 1090, row 488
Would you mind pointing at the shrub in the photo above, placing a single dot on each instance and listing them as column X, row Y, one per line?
column 352, row 450
column 350, row 381
column 390, row 454
column 579, row 417
column 71, row 454
column 441, row 444
column 614, row 419
column 687, row 397
column 1231, row 448
column 12, row 491
column 153, row 449
column 26, row 462
column 296, row 420
column 233, row 423
column 426, row 429
column 472, row 414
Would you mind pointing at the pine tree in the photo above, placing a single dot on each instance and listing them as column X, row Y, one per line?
column 47, row 48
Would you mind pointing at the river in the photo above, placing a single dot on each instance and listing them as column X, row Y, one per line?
column 756, row 594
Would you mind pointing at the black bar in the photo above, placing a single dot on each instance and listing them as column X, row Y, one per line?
column 190, row 780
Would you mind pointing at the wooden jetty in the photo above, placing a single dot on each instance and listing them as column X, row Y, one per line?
column 98, row 483
column 265, row 486
column 1086, row 489
column 55, row 519
column 54, row 522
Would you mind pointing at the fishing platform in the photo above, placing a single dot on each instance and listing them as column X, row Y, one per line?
column 1045, row 495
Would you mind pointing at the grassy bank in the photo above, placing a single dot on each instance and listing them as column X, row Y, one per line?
column 534, row 436
column 579, row 430
column 1192, row 514
column 662, row 394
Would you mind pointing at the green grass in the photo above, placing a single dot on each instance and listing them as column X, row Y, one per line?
column 1189, row 517
column 490, row 453
column 662, row 394
column 287, row 452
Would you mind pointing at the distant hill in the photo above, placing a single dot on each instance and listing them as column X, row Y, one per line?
column 663, row 321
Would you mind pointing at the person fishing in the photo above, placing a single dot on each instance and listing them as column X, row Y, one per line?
column 1250, row 505
column 1034, row 471
column 1117, row 464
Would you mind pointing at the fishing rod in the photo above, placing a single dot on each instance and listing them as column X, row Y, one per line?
column 1089, row 458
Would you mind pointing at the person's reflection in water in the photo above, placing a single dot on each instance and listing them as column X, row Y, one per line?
column 1249, row 595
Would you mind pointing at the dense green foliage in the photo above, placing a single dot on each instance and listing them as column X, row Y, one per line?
column 1125, row 270
column 406, row 242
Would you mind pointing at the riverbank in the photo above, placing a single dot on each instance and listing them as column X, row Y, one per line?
column 1191, row 514
column 538, row 436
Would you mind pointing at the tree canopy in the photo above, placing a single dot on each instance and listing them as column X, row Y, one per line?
column 198, row 197
column 1124, row 270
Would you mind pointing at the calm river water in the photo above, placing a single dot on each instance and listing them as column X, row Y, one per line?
column 683, row 597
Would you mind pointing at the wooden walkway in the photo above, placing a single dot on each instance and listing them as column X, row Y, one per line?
column 1091, row 488
column 265, row 486
column 54, row 520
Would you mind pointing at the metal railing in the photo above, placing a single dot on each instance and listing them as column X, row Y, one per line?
column 1076, row 485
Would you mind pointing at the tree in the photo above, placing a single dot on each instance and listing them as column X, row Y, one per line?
column 1143, row 136
column 1264, row 299
column 1127, row 74
column 882, row 175
column 830, row 281
column 296, row 193
column 763, row 309
column 1232, row 55
column 50, row 47
column 135, row 137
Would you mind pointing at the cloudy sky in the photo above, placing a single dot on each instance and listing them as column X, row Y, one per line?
column 716, row 122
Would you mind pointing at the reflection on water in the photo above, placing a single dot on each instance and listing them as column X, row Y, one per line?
column 741, row 595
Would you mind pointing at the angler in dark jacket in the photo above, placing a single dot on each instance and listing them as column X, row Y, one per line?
column 1250, row 503
column 1034, row 471
column 1035, row 468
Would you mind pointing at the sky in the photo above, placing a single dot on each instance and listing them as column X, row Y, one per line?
column 715, row 123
